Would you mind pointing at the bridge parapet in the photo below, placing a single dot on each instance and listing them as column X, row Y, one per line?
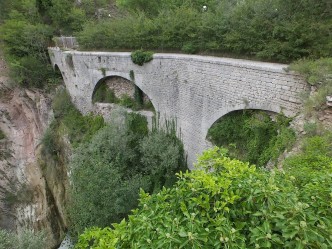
column 66, row 42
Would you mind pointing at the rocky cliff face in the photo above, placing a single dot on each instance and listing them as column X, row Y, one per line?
column 31, row 197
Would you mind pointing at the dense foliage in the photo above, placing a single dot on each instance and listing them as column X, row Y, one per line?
column 107, row 172
column 26, row 29
column 281, row 30
column 235, row 206
column 318, row 74
column 25, row 240
column 68, row 120
column 252, row 136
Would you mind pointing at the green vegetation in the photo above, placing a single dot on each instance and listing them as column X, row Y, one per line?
column 280, row 30
column 252, row 136
column 235, row 206
column 26, row 240
column 103, row 94
column 2, row 135
column 225, row 203
column 318, row 73
column 108, row 172
column 26, row 29
column 140, row 57
column 68, row 120
column 315, row 158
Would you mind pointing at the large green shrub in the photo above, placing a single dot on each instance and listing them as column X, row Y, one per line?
column 314, row 159
column 235, row 206
column 252, row 135
column 107, row 172
column 280, row 30
column 318, row 74
column 25, row 240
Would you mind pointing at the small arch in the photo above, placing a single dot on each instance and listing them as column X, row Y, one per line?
column 120, row 90
column 58, row 73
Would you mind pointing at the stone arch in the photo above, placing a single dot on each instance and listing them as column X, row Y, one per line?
column 121, row 77
column 225, row 110
column 58, row 72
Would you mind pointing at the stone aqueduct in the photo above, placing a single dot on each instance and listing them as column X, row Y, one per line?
column 194, row 90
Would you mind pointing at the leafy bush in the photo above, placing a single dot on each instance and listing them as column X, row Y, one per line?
column 128, row 102
column 314, row 160
column 252, row 136
column 317, row 73
column 26, row 50
column 25, row 240
column 235, row 206
column 272, row 30
column 108, row 172
column 140, row 57
column 79, row 128
column 49, row 141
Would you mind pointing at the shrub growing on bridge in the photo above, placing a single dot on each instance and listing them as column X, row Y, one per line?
column 236, row 206
column 140, row 57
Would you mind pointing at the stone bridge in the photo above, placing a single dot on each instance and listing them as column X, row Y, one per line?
column 194, row 90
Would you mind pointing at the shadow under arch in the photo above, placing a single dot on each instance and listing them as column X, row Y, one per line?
column 216, row 116
column 121, row 86
column 255, row 135
column 57, row 71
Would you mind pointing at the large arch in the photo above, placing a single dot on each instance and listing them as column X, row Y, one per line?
column 121, row 76
column 225, row 110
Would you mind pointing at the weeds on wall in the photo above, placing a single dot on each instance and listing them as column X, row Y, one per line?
column 69, row 61
column 2, row 135
column 252, row 136
column 103, row 71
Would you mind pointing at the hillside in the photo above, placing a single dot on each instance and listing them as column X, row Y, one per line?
column 64, row 172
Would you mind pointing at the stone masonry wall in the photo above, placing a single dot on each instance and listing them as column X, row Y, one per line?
column 194, row 90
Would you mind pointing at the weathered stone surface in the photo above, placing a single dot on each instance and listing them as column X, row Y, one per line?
column 194, row 90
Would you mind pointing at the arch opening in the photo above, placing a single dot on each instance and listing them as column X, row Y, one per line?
column 58, row 76
column 252, row 135
column 121, row 91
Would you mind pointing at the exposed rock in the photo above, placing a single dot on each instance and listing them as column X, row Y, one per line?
column 29, row 199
